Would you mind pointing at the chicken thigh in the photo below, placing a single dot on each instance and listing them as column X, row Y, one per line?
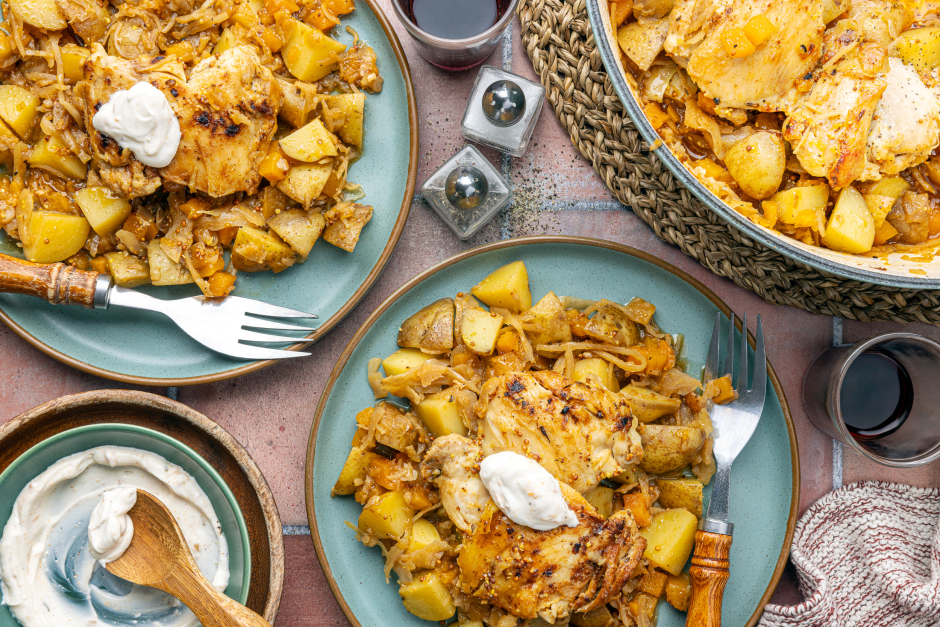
column 453, row 464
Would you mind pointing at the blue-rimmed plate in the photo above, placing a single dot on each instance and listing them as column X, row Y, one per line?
column 146, row 348
column 766, row 476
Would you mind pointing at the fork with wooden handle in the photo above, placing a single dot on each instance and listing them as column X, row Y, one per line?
column 221, row 324
column 734, row 425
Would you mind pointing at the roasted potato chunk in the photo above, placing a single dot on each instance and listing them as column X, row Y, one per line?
column 648, row 405
column 610, row 324
column 756, row 163
column 255, row 250
column 670, row 539
column 545, row 322
column 346, row 221
column 298, row 228
column 507, row 288
column 681, row 493
column 431, row 329
column 667, row 447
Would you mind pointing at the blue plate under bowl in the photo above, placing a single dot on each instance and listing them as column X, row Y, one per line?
column 766, row 476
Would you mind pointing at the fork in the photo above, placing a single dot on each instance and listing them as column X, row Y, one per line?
column 221, row 324
column 734, row 425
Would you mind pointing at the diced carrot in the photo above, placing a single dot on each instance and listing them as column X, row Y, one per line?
column 884, row 233
column 736, row 43
column 340, row 7
column 713, row 170
column 642, row 603
column 720, row 390
column 934, row 224
column 99, row 264
column 195, row 205
column 759, row 29
column 679, row 591
column 321, row 17
column 274, row 6
column 638, row 506
column 655, row 114
column 271, row 39
column 382, row 471
column 227, row 234
column 275, row 165
column 507, row 342
column 221, row 283
column 620, row 11
column 418, row 498
column 653, row 583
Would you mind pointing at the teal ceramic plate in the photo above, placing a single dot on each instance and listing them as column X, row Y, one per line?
column 147, row 349
column 765, row 480
column 34, row 461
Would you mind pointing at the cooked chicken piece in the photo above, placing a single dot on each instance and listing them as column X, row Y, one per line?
column 766, row 80
column 881, row 21
column 906, row 125
column 227, row 113
column 453, row 464
column 550, row 574
column 579, row 432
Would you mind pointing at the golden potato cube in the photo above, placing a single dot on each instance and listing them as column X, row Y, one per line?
column 104, row 211
column 919, row 47
column 426, row 597
column 595, row 368
column 226, row 40
column 602, row 498
column 669, row 447
column 403, row 360
column 643, row 41
column 439, row 414
column 354, row 108
column 309, row 143
column 888, row 186
column 255, row 250
column 6, row 47
column 309, row 54
column 684, row 493
column 8, row 139
column 670, row 539
column 305, row 181
column 19, row 108
column 757, row 162
column 44, row 14
column 879, row 207
column 479, row 329
column 347, row 219
column 163, row 270
column 73, row 62
column 356, row 466
column 298, row 228
column 851, row 228
column 545, row 322
column 127, row 270
column 54, row 236
column 387, row 516
column 648, row 405
column 52, row 153
column 803, row 206
column 423, row 533
column 507, row 287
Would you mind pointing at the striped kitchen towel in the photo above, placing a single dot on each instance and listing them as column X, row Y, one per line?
column 868, row 555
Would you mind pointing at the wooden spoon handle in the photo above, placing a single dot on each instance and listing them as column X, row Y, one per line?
column 56, row 283
column 211, row 607
column 709, row 574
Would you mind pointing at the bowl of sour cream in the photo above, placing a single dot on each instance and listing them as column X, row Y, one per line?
column 48, row 574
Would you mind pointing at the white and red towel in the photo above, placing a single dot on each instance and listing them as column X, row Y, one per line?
column 868, row 555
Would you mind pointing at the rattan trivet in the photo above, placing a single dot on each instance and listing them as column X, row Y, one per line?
column 558, row 39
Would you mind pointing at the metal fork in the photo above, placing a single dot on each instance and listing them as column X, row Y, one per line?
column 222, row 324
column 734, row 424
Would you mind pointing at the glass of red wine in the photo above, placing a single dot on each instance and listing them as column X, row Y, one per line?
column 879, row 397
column 455, row 34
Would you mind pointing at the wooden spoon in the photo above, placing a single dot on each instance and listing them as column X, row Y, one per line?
column 159, row 557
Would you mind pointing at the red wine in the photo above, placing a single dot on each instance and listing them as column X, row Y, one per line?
column 877, row 396
column 454, row 19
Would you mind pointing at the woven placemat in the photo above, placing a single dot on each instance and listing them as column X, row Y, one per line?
column 558, row 39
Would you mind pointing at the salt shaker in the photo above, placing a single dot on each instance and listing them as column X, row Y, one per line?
column 502, row 111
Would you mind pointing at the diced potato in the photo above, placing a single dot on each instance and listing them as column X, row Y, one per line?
column 851, row 228
column 426, row 597
column 478, row 330
column 653, row 583
column 8, row 141
column 163, row 270
column 919, row 47
column 602, row 499
column 595, row 368
column 387, row 516
column 610, row 324
column 299, row 101
column 305, row 181
column 652, row 8
column 638, row 505
column 668, row 447
column 309, row 143
column 439, row 414
column 507, row 287
column 679, row 591
column 226, row 40
column 346, row 221
column 893, row 187
column 879, row 207
column 298, row 228
column 803, row 206
column 545, row 322
column 44, row 14
column 51, row 152
column 354, row 108
column 643, row 40
column 255, row 250
column 833, row 9
column 54, row 236
column 403, row 360
column 73, row 62
column 431, row 328
column 309, row 54
column 648, row 405
column 104, row 211
column 357, row 463
column 19, row 108
column 670, row 539
column 684, row 493
column 423, row 533
column 128, row 270
column 757, row 162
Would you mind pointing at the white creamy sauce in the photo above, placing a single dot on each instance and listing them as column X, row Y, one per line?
column 49, row 574
column 111, row 530
column 527, row 493
column 141, row 119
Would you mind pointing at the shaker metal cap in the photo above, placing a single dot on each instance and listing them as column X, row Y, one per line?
column 502, row 111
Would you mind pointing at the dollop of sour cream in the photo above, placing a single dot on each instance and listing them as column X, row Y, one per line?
column 111, row 530
column 141, row 119
column 527, row 493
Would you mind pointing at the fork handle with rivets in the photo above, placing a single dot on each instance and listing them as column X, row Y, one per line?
column 56, row 283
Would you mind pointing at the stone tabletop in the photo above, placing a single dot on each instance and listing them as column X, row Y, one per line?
column 555, row 192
